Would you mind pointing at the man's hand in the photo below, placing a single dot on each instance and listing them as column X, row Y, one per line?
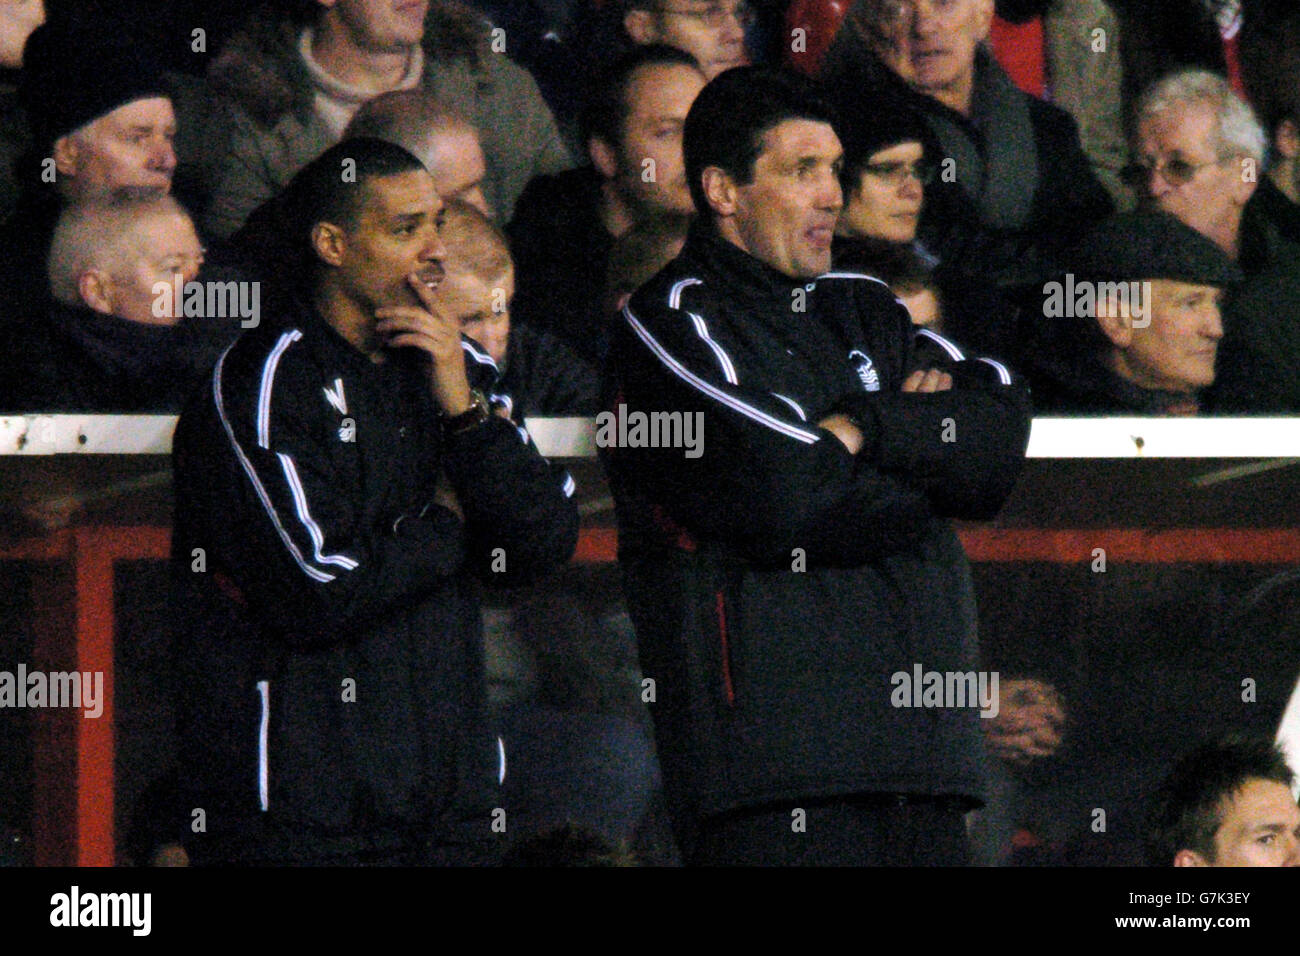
column 842, row 427
column 434, row 331
column 932, row 380
column 1030, row 724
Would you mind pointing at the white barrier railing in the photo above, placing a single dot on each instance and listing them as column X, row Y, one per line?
column 575, row 437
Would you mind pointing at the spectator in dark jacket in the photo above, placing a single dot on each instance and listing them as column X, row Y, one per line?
column 116, row 338
column 1072, row 47
column 1025, row 190
column 1199, row 154
column 785, row 570
column 539, row 372
column 887, row 174
column 1270, row 66
column 101, row 124
column 1135, row 327
column 565, row 225
column 291, row 83
column 1259, row 364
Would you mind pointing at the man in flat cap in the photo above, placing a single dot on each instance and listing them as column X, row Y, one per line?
column 102, row 126
column 1134, row 329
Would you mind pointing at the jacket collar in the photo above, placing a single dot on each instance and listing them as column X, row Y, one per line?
column 1270, row 228
column 119, row 347
column 741, row 273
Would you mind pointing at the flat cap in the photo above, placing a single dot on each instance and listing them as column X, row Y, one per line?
column 1151, row 245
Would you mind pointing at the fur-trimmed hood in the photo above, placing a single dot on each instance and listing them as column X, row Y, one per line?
column 260, row 69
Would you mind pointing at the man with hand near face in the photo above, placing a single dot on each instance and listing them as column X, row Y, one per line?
column 344, row 482
column 783, row 570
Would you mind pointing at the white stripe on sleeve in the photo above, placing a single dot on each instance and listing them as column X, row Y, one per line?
column 268, row 382
column 686, row 375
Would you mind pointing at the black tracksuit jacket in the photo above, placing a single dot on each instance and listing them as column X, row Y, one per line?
column 776, row 582
column 331, row 664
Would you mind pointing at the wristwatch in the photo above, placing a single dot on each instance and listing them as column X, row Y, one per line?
column 478, row 412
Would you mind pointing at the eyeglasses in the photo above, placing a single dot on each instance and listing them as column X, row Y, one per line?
column 897, row 174
column 715, row 15
column 1176, row 172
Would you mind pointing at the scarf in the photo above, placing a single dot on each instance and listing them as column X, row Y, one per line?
column 995, row 152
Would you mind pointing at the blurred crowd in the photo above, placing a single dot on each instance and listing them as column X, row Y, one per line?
column 1106, row 195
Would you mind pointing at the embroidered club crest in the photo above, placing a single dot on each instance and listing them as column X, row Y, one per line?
column 866, row 370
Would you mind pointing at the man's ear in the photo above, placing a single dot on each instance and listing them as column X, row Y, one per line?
column 329, row 243
column 1286, row 139
column 719, row 190
column 1116, row 325
column 1190, row 858
column 603, row 157
column 96, row 290
column 66, row 154
column 640, row 26
column 1246, row 180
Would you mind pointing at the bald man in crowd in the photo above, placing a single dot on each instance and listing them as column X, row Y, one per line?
column 540, row 373
column 116, row 337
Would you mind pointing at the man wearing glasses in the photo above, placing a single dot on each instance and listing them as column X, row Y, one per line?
column 1016, row 189
column 712, row 31
column 1198, row 154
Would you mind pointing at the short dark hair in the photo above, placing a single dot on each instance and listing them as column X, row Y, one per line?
column 321, row 192
column 1187, row 810
column 890, row 122
column 606, row 110
column 729, row 118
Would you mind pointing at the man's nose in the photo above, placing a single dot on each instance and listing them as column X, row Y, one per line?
column 1157, row 185
column 163, row 157
column 434, row 248
column 830, row 196
column 925, row 20
column 912, row 188
column 1212, row 328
